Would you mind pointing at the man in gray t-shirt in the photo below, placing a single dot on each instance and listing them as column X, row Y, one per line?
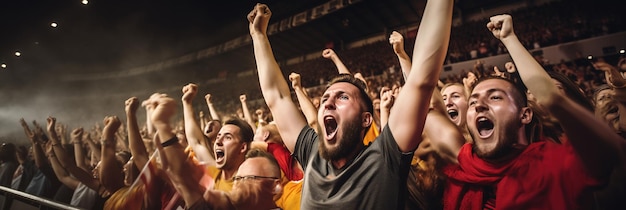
column 340, row 172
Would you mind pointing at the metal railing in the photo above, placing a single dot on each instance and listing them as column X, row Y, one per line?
column 13, row 199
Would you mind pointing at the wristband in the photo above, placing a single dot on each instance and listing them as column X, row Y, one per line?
column 170, row 142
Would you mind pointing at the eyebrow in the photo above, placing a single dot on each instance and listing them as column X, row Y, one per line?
column 489, row 91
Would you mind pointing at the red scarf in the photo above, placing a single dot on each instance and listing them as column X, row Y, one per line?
column 544, row 176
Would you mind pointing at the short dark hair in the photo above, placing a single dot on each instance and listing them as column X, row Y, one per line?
column 369, row 105
column 247, row 134
column 260, row 153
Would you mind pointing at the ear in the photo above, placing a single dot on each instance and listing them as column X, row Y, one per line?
column 527, row 115
column 244, row 148
column 277, row 188
column 266, row 134
column 366, row 119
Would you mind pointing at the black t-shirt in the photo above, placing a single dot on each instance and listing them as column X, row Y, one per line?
column 375, row 179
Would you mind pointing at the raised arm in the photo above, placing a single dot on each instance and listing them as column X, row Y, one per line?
column 397, row 42
column 386, row 102
column 330, row 54
column 273, row 85
column 135, row 142
column 408, row 115
column 36, row 141
column 595, row 142
column 79, row 152
column 212, row 112
column 246, row 112
column 111, row 175
column 307, row 107
column 180, row 170
column 192, row 129
column 60, row 172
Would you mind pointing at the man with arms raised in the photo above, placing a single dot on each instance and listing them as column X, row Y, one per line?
column 341, row 173
column 502, row 169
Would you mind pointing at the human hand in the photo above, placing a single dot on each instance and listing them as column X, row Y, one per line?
column 242, row 98
column 111, row 124
column 497, row 72
column 510, row 67
column 329, row 53
column 295, row 80
column 470, row 80
column 189, row 92
column 77, row 135
column 164, row 109
column 386, row 98
column 131, row 105
column 207, row 97
column 51, row 124
column 259, row 18
column 397, row 42
column 501, row 26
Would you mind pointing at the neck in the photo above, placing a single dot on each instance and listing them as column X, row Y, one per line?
column 341, row 162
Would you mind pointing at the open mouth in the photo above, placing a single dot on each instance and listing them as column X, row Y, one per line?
column 331, row 127
column 484, row 126
column 219, row 155
column 453, row 113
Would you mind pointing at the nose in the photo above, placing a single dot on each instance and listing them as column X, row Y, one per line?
column 329, row 103
column 480, row 106
column 448, row 102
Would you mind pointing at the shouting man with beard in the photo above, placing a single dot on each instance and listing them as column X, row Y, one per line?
column 340, row 172
column 502, row 169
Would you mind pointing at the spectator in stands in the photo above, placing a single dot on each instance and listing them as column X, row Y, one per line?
column 8, row 164
column 494, row 170
column 344, row 116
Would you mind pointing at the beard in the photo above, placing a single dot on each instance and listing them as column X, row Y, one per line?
column 349, row 141
column 503, row 148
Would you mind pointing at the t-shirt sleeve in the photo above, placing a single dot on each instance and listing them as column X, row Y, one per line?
column 394, row 157
column 305, row 146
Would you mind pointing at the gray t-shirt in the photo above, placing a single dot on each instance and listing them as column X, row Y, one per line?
column 375, row 179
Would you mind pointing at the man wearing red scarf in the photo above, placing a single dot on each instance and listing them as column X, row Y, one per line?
column 502, row 169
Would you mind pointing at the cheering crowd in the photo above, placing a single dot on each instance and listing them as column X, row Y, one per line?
column 524, row 137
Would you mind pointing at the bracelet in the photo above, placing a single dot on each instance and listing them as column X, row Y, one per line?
column 170, row 142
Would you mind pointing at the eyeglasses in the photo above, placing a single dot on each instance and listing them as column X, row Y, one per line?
column 253, row 177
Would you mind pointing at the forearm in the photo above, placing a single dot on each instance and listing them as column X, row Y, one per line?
column 135, row 142
column 405, row 63
column 430, row 49
column 276, row 92
column 247, row 115
column 39, row 156
column 307, row 107
column 79, row 154
column 341, row 68
column 212, row 112
column 60, row 172
column 194, row 134
column 110, row 169
column 534, row 76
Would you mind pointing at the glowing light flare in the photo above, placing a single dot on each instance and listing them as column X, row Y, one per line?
column 18, row 53
column 53, row 25
column 85, row 2
column 4, row 66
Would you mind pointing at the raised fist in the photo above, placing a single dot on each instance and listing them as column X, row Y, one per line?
column 397, row 41
column 501, row 26
column 510, row 67
column 189, row 92
column 259, row 18
column 328, row 53
column 242, row 98
column 131, row 105
column 77, row 134
column 295, row 80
